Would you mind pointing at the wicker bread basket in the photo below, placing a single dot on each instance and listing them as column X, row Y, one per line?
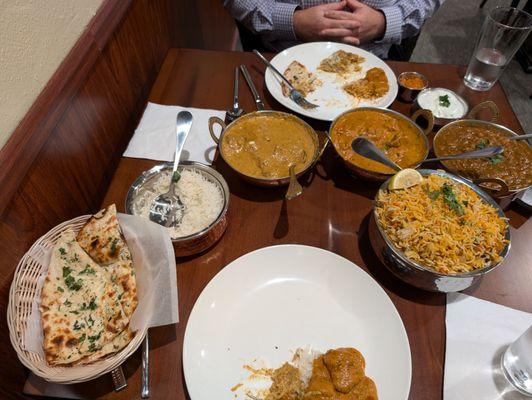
column 23, row 293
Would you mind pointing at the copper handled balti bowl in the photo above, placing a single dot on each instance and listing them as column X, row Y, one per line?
column 266, row 182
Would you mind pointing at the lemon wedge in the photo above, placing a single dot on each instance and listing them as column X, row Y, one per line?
column 404, row 179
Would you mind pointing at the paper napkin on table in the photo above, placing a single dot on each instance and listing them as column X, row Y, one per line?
column 155, row 139
column 478, row 332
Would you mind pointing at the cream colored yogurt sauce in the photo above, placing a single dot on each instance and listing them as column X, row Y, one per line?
column 430, row 100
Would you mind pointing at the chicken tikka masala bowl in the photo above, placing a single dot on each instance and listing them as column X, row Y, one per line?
column 394, row 134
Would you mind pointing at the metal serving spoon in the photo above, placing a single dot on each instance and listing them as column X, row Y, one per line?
column 167, row 209
column 521, row 137
column 367, row 149
column 235, row 112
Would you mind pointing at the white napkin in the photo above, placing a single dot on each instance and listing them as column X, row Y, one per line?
column 154, row 138
column 478, row 332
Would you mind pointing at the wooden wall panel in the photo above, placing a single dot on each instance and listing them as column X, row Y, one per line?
column 60, row 160
column 80, row 144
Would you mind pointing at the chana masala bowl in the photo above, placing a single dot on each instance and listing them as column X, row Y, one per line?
column 512, row 169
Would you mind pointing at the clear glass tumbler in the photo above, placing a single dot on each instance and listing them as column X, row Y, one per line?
column 504, row 31
column 516, row 363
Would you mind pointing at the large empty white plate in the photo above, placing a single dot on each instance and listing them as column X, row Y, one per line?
column 276, row 299
column 331, row 98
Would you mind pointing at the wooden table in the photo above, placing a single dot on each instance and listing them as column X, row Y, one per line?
column 332, row 214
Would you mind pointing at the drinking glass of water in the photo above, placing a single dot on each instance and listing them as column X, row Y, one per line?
column 517, row 363
column 503, row 32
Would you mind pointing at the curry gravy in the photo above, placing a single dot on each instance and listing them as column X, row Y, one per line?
column 394, row 136
column 264, row 146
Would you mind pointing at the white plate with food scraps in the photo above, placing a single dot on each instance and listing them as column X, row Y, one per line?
column 272, row 301
column 330, row 96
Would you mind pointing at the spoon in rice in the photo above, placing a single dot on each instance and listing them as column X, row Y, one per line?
column 167, row 209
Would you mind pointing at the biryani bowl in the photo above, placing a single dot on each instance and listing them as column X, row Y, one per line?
column 204, row 238
column 408, row 143
column 260, row 146
column 422, row 276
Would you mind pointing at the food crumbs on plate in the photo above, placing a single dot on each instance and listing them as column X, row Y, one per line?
column 235, row 388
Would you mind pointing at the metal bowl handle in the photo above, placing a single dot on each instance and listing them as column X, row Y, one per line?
column 429, row 116
column 485, row 105
column 503, row 189
column 213, row 121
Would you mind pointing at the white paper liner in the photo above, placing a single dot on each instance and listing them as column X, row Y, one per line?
column 155, row 270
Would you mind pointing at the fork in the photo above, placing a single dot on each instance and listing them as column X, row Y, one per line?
column 295, row 95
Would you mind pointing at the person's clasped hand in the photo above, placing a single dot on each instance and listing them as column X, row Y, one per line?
column 359, row 24
column 312, row 24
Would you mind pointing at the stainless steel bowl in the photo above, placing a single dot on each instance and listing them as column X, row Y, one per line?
column 199, row 241
column 407, row 93
column 440, row 121
column 374, row 175
column 416, row 274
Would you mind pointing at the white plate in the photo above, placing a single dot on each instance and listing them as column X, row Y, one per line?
column 276, row 299
column 331, row 98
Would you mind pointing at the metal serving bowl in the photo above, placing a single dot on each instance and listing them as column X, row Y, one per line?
column 440, row 121
column 278, row 181
column 379, row 176
column 502, row 191
column 416, row 274
column 199, row 241
column 407, row 93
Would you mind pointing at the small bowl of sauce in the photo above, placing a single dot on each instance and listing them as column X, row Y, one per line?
column 446, row 105
column 410, row 84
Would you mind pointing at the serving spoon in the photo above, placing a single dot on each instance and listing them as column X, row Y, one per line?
column 167, row 209
column 521, row 137
column 367, row 149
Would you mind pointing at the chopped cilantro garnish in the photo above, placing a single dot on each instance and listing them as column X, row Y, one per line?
column 62, row 251
column 434, row 194
column 82, row 338
column 66, row 271
column 91, row 321
column 67, row 303
column 77, row 326
column 60, row 289
column 498, row 158
column 73, row 284
column 88, row 270
column 482, row 145
column 444, row 101
column 73, row 312
column 112, row 248
column 450, row 199
column 92, row 304
column 95, row 337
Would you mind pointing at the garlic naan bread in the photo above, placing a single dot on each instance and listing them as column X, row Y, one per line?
column 118, row 343
column 81, row 309
column 102, row 238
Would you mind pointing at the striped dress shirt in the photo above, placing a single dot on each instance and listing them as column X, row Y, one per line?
column 273, row 20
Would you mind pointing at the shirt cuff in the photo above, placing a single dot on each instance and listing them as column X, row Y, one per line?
column 394, row 22
column 283, row 21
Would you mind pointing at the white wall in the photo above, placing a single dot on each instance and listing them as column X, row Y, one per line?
column 35, row 36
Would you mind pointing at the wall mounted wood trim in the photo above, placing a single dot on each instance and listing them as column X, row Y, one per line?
column 23, row 146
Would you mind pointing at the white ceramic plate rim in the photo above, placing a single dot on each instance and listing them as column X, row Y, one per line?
column 195, row 384
column 279, row 61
